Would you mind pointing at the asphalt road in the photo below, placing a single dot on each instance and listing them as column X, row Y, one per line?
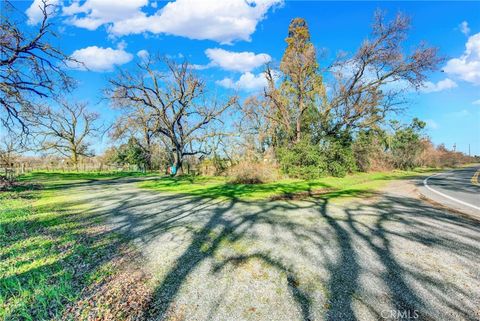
column 458, row 189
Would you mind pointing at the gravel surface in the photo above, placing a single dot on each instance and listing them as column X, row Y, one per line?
column 390, row 257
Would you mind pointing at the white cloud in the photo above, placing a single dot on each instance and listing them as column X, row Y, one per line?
column 464, row 28
column 91, row 14
column 430, row 87
column 476, row 102
column 223, row 21
column 199, row 67
column 143, row 54
column 100, row 59
column 122, row 45
column 431, row 124
column 460, row 113
column 235, row 61
column 175, row 56
column 467, row 66
column 246, row 82
column 34, row 13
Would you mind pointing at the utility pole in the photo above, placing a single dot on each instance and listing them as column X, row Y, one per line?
column 469, row 150
column 454, row 147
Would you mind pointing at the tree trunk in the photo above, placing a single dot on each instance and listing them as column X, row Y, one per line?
column 148, row 161
column 178, row 161
column 148, row 152
column 75, row 160
column 299, row 119
column 299, row 130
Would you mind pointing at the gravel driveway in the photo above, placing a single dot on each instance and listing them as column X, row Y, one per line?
column 389, row 257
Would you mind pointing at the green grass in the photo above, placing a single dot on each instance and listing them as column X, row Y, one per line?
column 52, row 180
column 219, row 187
column 50, row 249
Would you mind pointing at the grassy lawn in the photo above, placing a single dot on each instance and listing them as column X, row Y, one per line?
column 50, row 250
column 219, row 187
column 51, row 180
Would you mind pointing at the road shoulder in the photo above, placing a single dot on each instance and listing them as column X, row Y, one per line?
column 440, row 200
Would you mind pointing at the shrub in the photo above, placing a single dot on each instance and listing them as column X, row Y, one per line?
column 405, row 145
column 308, row 161
column 369, row 151
column 440, row 156
column 253, row 172
column 302, row 160
column 340, row 160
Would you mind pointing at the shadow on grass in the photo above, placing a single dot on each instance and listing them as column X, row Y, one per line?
column 49, row 254
column 66, row 180
column 219, row 187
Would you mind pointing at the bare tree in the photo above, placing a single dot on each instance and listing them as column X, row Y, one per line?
column 30, row 66
column 10, row 148
column 66, row 130
column 176, row 99
column 256, row 126
column 371, row 83
column 138, row 122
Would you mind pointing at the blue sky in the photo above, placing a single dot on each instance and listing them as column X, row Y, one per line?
column 230, row 41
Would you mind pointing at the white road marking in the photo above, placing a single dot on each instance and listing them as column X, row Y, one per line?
column 425, row 183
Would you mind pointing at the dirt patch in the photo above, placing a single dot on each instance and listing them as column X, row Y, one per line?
column 446, row 208
column 404, row 188
column 123, row 296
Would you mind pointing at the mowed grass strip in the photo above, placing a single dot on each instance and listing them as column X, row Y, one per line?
column 50, row 249
column 219, row 187
column 57, row 179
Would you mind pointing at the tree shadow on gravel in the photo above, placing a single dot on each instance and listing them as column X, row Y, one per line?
column 344, row 243
column 399, row 219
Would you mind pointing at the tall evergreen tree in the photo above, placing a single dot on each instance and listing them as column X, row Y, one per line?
column 301, row 92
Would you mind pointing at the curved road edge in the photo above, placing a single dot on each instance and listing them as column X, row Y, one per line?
column 454, row 189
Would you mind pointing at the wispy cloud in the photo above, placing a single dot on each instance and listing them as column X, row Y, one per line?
column 143, row 54
column 431, row 124
column 464, row 28
column 460, row 113
column 430, row 87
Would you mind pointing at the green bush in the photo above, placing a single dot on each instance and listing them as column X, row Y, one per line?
column 405, row 144
column 308, row 161
column 340, row 160
column 370, row 151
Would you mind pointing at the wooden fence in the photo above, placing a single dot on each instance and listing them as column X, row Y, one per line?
column 19, row 168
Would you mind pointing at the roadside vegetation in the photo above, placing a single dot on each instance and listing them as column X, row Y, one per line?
column 358, row 184
column 55, row 255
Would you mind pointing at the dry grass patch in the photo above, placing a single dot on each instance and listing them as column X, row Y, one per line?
column 123, row 296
